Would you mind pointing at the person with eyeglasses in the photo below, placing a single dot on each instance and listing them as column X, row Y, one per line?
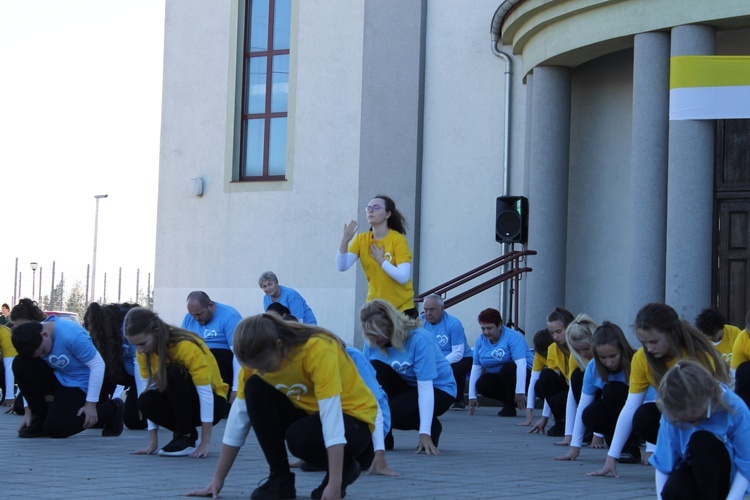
column 383, row 253
column 702, row 450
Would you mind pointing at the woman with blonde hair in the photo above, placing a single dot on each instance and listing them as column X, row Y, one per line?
column 183, row 387
column 411, row 369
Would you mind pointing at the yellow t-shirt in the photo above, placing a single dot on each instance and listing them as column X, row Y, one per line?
column 379, row 284
column 557, row 360
column 320, row 369
column 741, row 350
column 641, row 376
column 539, row 362
column 727, row 343
column 6, row 345
column 198, row 361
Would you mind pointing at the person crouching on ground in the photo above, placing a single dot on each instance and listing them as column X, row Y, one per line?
column 183, row 388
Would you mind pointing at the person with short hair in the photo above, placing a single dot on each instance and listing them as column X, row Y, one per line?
column 713, row 325
column 5, row 315
column 502, row 365
column 289, row 297
column 180, row 385
column 58, row 358
column 451, row 337
column 215, row 322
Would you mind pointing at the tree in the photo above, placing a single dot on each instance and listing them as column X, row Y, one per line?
column 54, row 302
column 76, row 300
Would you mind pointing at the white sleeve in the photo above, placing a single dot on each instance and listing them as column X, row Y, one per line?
column 10, row 382
column 206, row 398
column 118, row 391
column 236, row 368
column 546, row 410
column 456, row 354
column 426, row 400
column 570, row 412
column 661, row 479
column 625, row 423
column 739, row 486
column 345, row 261
column 378, row 437
column 578, row 427
column 531, row 395
column 238, row 425
column 520, row 375
column 96, row 377
column 476, row 372
column 400, row 273
column 332, row 418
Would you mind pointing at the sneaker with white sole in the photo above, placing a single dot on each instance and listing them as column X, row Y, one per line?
column 179, row 446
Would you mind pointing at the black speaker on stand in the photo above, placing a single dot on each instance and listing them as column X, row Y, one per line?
column 512, row 219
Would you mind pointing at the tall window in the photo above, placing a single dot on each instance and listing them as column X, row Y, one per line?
column 265, row 91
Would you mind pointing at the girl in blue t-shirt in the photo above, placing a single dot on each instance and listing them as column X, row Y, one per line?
column 702, row 450
column 502, row 365
column 604, row 391
column 412, row 371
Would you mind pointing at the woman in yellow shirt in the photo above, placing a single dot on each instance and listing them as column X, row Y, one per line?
column 305, row 393
column 183, row 387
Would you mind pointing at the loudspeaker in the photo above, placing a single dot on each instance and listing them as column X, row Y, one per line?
column 512, row 219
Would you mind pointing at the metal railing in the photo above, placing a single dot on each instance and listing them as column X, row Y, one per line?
column 516, row 259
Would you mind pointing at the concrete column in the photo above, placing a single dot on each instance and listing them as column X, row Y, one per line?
column 549, row 149
column 392, row 118
column 690, row 194
column 648, row 171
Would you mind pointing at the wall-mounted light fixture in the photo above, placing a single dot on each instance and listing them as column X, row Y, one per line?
column 196, row 186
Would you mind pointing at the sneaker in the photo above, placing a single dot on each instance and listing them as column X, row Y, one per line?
column 630, row 456
column 350, row 474
column 35, row 430
column 505, row 412
column 458, row 406
column 179, row 446
column 114, row 427
column 558, row 429
column 276, row 487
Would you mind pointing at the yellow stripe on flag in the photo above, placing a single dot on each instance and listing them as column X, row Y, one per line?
column 709, row 71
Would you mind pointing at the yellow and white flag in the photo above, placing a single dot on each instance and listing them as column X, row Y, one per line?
column 709, row 87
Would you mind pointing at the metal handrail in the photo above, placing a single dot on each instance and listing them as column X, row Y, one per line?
column 514, row 258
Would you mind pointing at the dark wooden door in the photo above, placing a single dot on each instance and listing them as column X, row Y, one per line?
column 732, row 220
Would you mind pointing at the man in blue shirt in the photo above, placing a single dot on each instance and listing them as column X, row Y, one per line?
column 450, row 336
column 215, row 324
column 286, row 296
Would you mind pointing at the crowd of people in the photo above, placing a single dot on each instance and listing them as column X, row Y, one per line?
column 683, row 395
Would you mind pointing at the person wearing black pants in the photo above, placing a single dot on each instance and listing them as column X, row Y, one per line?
column 179, row 384
column 304, row 391
column 412, row 371
column 553, row 388
column 58, row 358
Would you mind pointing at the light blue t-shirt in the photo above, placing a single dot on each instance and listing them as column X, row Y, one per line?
column 510, row 347
column 72, row 348
column 593, row 382
column 368, row 374
column 296, row 304
column 448, row 332
column 731, row 427
column 219, row 332
column 420, row 359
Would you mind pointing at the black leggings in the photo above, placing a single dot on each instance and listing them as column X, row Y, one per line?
column 225, row 359
column 601, row 415
column 131, row 417
column 276, row 421
column 707, row 476
column 403, row 399
column 178, row 407
column 646, row 422
column 742, row 382
column 37, row 379
column 502, row 385
column 460, row 370
column 552, row 387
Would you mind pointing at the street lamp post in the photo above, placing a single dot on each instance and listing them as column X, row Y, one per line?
column 93, row 261
column 34, row 266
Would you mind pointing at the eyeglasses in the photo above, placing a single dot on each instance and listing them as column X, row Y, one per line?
column 372, row 208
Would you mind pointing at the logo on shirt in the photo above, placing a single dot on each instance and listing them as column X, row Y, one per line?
column 498, row 354
column 210, row 334
column 442, row 340
column 387, row 256
column 296, row 391
column 60, row 361
column 400, row 367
